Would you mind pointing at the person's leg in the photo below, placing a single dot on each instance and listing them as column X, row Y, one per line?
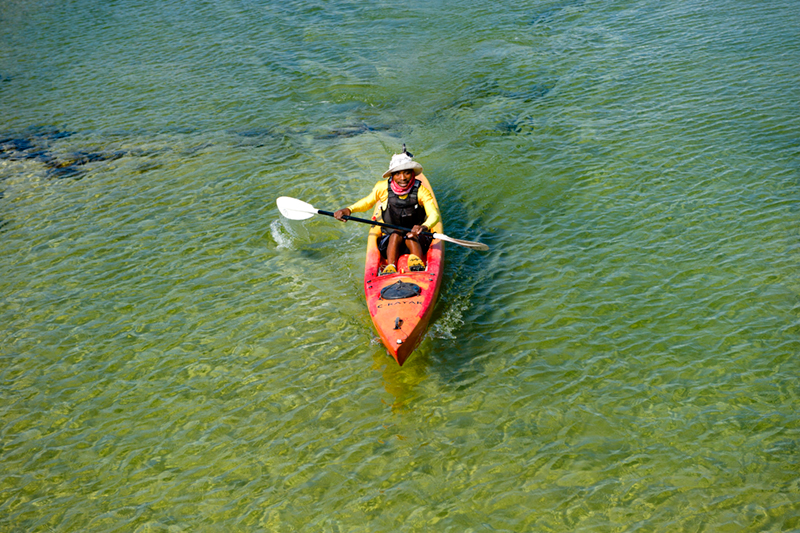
column 415, row 248
column 393, row 248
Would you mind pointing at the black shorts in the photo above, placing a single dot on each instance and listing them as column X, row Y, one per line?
column 383, row 244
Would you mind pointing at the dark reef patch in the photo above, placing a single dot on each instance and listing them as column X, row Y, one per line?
column 70, row 165
column 351, row 130
column 29, row 146
column 516, row 126
column 487, row 90
column 36, row 147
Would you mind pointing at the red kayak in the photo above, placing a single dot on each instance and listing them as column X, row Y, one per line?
column 401, row 304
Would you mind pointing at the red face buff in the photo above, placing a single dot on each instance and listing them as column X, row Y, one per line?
column 402, row 191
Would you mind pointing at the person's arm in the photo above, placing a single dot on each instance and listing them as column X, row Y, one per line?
column 426, row 199
column 339, row 214
column 362, row 205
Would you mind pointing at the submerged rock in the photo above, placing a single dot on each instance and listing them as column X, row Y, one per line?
column 508, row 127
column 490, row 91
column 36, row 147
column 28, row 146
column 351, row 131
column 70, row 165
column 15, row 149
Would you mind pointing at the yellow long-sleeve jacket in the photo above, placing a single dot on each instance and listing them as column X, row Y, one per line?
column 380, row 194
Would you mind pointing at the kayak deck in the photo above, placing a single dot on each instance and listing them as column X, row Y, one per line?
column 401, row 304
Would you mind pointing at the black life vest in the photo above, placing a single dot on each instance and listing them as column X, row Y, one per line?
column 404, row 212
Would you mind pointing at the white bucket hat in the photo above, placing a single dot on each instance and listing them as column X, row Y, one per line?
column 402, row 162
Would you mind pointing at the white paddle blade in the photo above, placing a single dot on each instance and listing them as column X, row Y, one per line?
column 469, row 244
column 295, row 209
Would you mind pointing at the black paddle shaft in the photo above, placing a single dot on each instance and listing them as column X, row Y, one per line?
column 372, row 222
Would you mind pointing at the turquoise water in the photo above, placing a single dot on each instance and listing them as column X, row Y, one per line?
column 177, row 357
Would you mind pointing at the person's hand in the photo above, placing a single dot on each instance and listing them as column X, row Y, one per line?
column 416, row 231
column 341, row 213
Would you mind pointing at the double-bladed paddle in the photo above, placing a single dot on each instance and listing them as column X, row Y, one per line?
column 295, row 209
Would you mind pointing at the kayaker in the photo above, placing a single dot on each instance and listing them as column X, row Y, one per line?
column 404, row 202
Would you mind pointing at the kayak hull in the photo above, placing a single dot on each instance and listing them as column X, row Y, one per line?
column 401, row 323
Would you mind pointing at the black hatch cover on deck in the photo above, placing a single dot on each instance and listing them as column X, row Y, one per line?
column 400, row 290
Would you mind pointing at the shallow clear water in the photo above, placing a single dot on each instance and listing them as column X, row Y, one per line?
column 177, row 357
